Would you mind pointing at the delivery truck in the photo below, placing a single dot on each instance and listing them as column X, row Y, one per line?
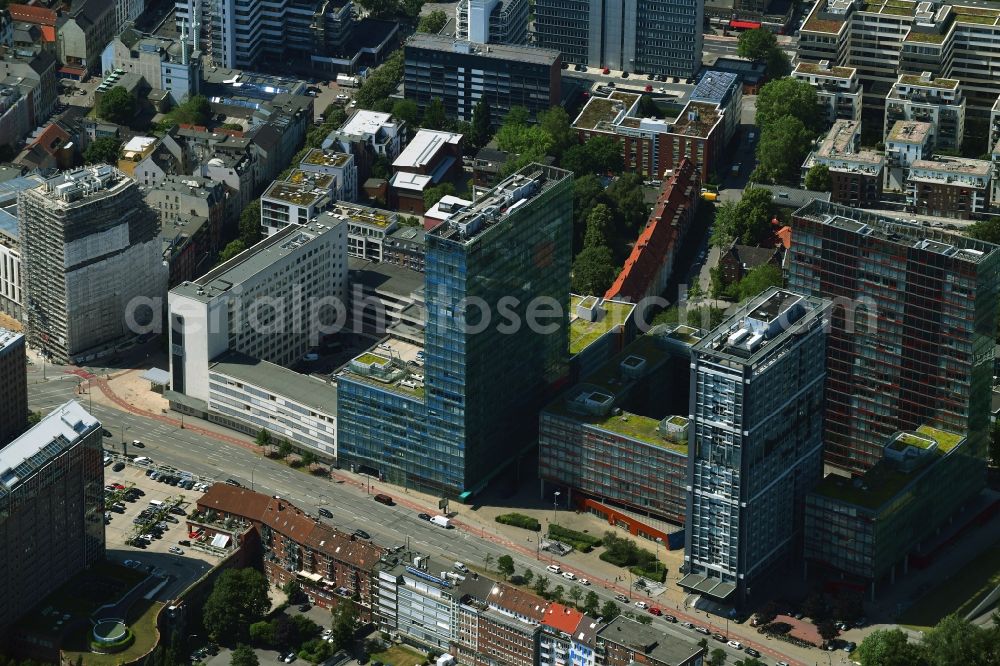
column 441, row 521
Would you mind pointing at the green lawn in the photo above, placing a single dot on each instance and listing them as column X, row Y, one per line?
column 143, row 625
column 400, row 655
column 958, row 594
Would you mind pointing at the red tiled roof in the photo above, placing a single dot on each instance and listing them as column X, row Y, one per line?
column 656, row 241
column 784, row 235
column 562, row 618
column 235, row 501
column 48, row 33
column 31, row 14
column 52, row 138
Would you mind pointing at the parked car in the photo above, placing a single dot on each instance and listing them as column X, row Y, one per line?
column 736, row 645
column 118, row 466
column 687, row 625
column 137, row 444
column 670, row 618
column 362, row 534
column 703, row 630
column 553, row 568
column 382, row 498
column 234, row 482
column 719, row 637
column 105, row 432
column 622, row 598
column 424, row 516
column 326, row 513
column 641, row 605
column 569, row 575
column 175, row 550
column 132, row 564
column 753, row 653
column 655, row 611
column 289, row 658
column 304, row 607
column 584, row 582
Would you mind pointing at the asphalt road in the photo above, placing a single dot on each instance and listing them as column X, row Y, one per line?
column 351, row 506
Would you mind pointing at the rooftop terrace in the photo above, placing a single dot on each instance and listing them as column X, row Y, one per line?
column 641, row 428
column 582, row 332
column 697, row 119
column 909, row 131
column 327, row 158
column 928, row 81
column 818, row 69
column 297, row 194
column 391, row 365
column 955, row 165
column 602, row 112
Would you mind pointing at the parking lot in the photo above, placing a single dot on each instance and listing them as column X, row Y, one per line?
column 183, row 565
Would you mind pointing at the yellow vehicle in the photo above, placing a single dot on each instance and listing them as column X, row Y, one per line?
column 709, row 196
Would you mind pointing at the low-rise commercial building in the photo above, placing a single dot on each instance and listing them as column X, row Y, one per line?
column 460, row 73
column 625, row 641
column 418, row 601
column 866, row 528
column 837, row 88
column 367, row 229
column 856, row 175
column 949, row 187
column 13, row 385
column 936, row 101
column 51, row 489
column 330, row 566
column 429, row 158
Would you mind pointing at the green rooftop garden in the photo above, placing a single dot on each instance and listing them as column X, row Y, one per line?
column 925, row 37
column 582, row 333
column 678, row 421
column 685, row 334
column 946, row 441
column 394, row 386
column 369, row 358
column 909, row 439
column 609, row 375
column 878, row 486
column 975, row 18
column 598, row 109
column 641, row 428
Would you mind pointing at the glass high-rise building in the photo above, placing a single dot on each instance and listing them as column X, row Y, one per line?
column 471, row 409
column 913, row 334
column 755, row 440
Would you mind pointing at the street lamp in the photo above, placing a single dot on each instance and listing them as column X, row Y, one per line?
column 124, row 450
column 555, row 506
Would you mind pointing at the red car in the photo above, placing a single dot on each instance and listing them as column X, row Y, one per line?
column 605, row 71
column 655, row 611
column 649, row 88
column 117, row 486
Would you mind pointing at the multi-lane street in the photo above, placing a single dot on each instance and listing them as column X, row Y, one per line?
column 346, row 496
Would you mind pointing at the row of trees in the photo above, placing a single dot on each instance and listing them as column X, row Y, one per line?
column 789, row 120
column 953, row 641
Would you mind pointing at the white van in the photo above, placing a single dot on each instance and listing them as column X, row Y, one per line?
column 461, row 567
column 155, row 504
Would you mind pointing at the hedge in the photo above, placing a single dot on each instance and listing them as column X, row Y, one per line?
column 659, row 574
column 581, row 541
column 520, row 520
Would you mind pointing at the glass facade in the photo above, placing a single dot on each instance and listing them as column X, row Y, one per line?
column 912, row 339
column 755, row 439
column 484, row 379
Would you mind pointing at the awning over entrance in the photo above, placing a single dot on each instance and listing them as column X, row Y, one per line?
column 744, row 25
column 157, row 376
column 708, row 585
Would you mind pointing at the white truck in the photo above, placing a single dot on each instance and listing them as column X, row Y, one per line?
column 441, row 521
column 347, row 81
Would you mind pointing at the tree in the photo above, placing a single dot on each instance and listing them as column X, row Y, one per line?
column 594, row 270
column 767, row 613
column 432, row 22
column 955, row 640
column 407, row 111
column 599, row 154
column 238, row 599
column 482, row 119
column 381, row 167
column 746, row 221
column 557, row 593
column 644, row 619
column 717, row 657
column 827, row 630
column 818, row 178
column 505, row 565
column 263, row 437
column 434, row 115
column 250, row 223
column 559, row 126
column 517, row 115
column 758, row 280
column 102, row 151
column 244, row 655
column 541, row 584
column 434, row 194
column 788, row 97
column 292, row 590
column 599, row 227
column 345, row 620
column 782, row 148
column 262, row 633
column 591, row 603
column 778, row 64
column 575, row 593
column 880, row 646
column 195, row 111
column 231, row 250
column 750, row 661
column 629, row 202
column 527, row 576
column 756, row 44
column 285, row 448
column 380, row 84
column 610, row 611
column 117, row 105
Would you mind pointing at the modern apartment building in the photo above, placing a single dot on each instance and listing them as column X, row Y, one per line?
column 367, row 135
column 51, row 508
column 339, row 165
column 907, row 142
column 868, row 528
column 617, row 442
column 167, row 64
column 461, row 73
column 756, row 440
column 265, row 303
column 641, row 36
column 913, row 331
column 418, row 600
column 456, row 413
column 331, row 566
column 492, row 21
column 13, row 386
column 856, row 175
column 296, row 200
column 92, row 262
column 949, row 187
column 936, row 101
column 887, row 38
column 367, row 229
column 837, row 88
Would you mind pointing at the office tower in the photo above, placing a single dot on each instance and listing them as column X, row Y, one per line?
column 492, row 21
column 460, row 73
column 92, row 262
column 886, row 38
column 756, row 440
column 913, row 329
column 13, row 386
column 641, row 36
column 262, row 303
column 454, row 414
column 51, row 508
